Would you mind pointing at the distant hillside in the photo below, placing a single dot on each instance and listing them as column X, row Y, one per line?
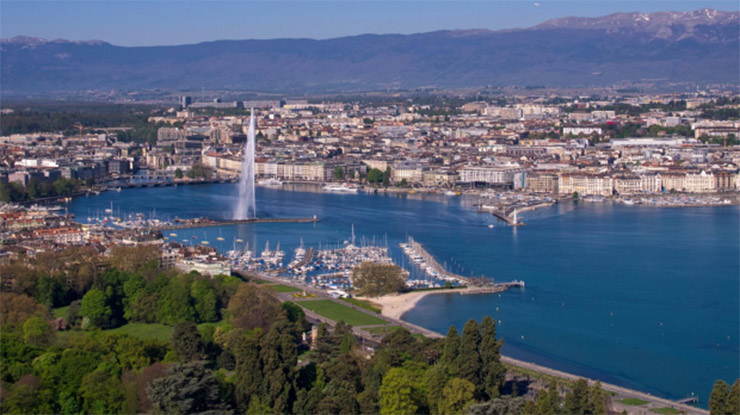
column 699, row 46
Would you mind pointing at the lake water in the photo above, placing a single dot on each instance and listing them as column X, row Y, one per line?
column 646, row 298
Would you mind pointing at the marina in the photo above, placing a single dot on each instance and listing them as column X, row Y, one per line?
column 424, row 260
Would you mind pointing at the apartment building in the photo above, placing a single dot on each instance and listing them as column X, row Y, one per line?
column 540, row 182
column 585, row 184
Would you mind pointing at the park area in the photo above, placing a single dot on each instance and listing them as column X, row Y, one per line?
column 337, row 312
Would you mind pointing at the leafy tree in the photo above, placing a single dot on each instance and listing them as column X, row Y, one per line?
column 49, row 291
column 178, row 173
column 187, row 389
column 28, row 396
column 458, row 395
column 175, row 304
column 577, row 401
column 204, row 300
column 131, row 288
column 436, row 380
column 724, row 399
column 73, row 314
column 248, row 378
column 66, row 375
column 387, row 177
column 199, row 171
column 374, row 279
column 469, row 361
column 543, row 404
column 15, row 309
column 38, row 332
column 95, row 308
column 134, row 258
column 733, row 399
column 597, row 404
column 257, row 407
column 553, row 396
column 187, row 342
column 493, row 371
column 102, row 393
column 374, row 176
column 397, row 393
column 506, row 405
column 279, row 355
column 296, row 315
column 451, row 349
column 253, row 306
column 339, row 173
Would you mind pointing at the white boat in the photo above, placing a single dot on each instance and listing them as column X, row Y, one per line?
column 270, row 182
column 451, row 193
column 340, row 188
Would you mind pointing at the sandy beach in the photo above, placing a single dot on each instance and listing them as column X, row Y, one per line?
column 395, row 305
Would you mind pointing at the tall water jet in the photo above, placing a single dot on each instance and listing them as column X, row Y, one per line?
column 246, row 206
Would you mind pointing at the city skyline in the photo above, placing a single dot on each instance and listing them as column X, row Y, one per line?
column 172, row 23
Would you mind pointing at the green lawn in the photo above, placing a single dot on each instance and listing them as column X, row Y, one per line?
column 382, row 329
column 367, row 305
column 222, row 323
column 338, row 312
column 280, row 288
column 665, row 410
column 60, row 312
column 145, row 331
column 633, row 401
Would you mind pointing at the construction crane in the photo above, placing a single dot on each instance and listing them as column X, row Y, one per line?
column 79, row 126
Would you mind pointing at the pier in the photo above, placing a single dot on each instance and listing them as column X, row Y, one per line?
column 211, row 223
column 418, row 249
column 509, row 213
column 307, row 259
column 168, row 183
column 689, row 400
column 479, row 285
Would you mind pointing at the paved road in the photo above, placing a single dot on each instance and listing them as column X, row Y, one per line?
column 622, row 392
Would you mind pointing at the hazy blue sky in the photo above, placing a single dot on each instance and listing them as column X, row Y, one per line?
column 131, row 23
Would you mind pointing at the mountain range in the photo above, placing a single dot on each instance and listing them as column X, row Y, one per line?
column 700, row 46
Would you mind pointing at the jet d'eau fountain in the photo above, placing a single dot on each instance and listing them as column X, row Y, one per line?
column 246, row 206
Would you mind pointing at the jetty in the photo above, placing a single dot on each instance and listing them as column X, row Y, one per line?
column 479, row 285
column 168, row 183
column 307, row 259
column 689, row 400
column 508, row 213
column 205, row 222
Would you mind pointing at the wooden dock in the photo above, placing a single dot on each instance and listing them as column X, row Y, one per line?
column 689, row 400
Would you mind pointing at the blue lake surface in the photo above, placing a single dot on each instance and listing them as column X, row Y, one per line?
column 647, row 298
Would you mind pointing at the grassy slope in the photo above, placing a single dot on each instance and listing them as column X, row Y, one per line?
column 338, row 312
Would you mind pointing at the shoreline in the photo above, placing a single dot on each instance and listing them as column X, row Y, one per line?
column 396, row 305
column 609, row 387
